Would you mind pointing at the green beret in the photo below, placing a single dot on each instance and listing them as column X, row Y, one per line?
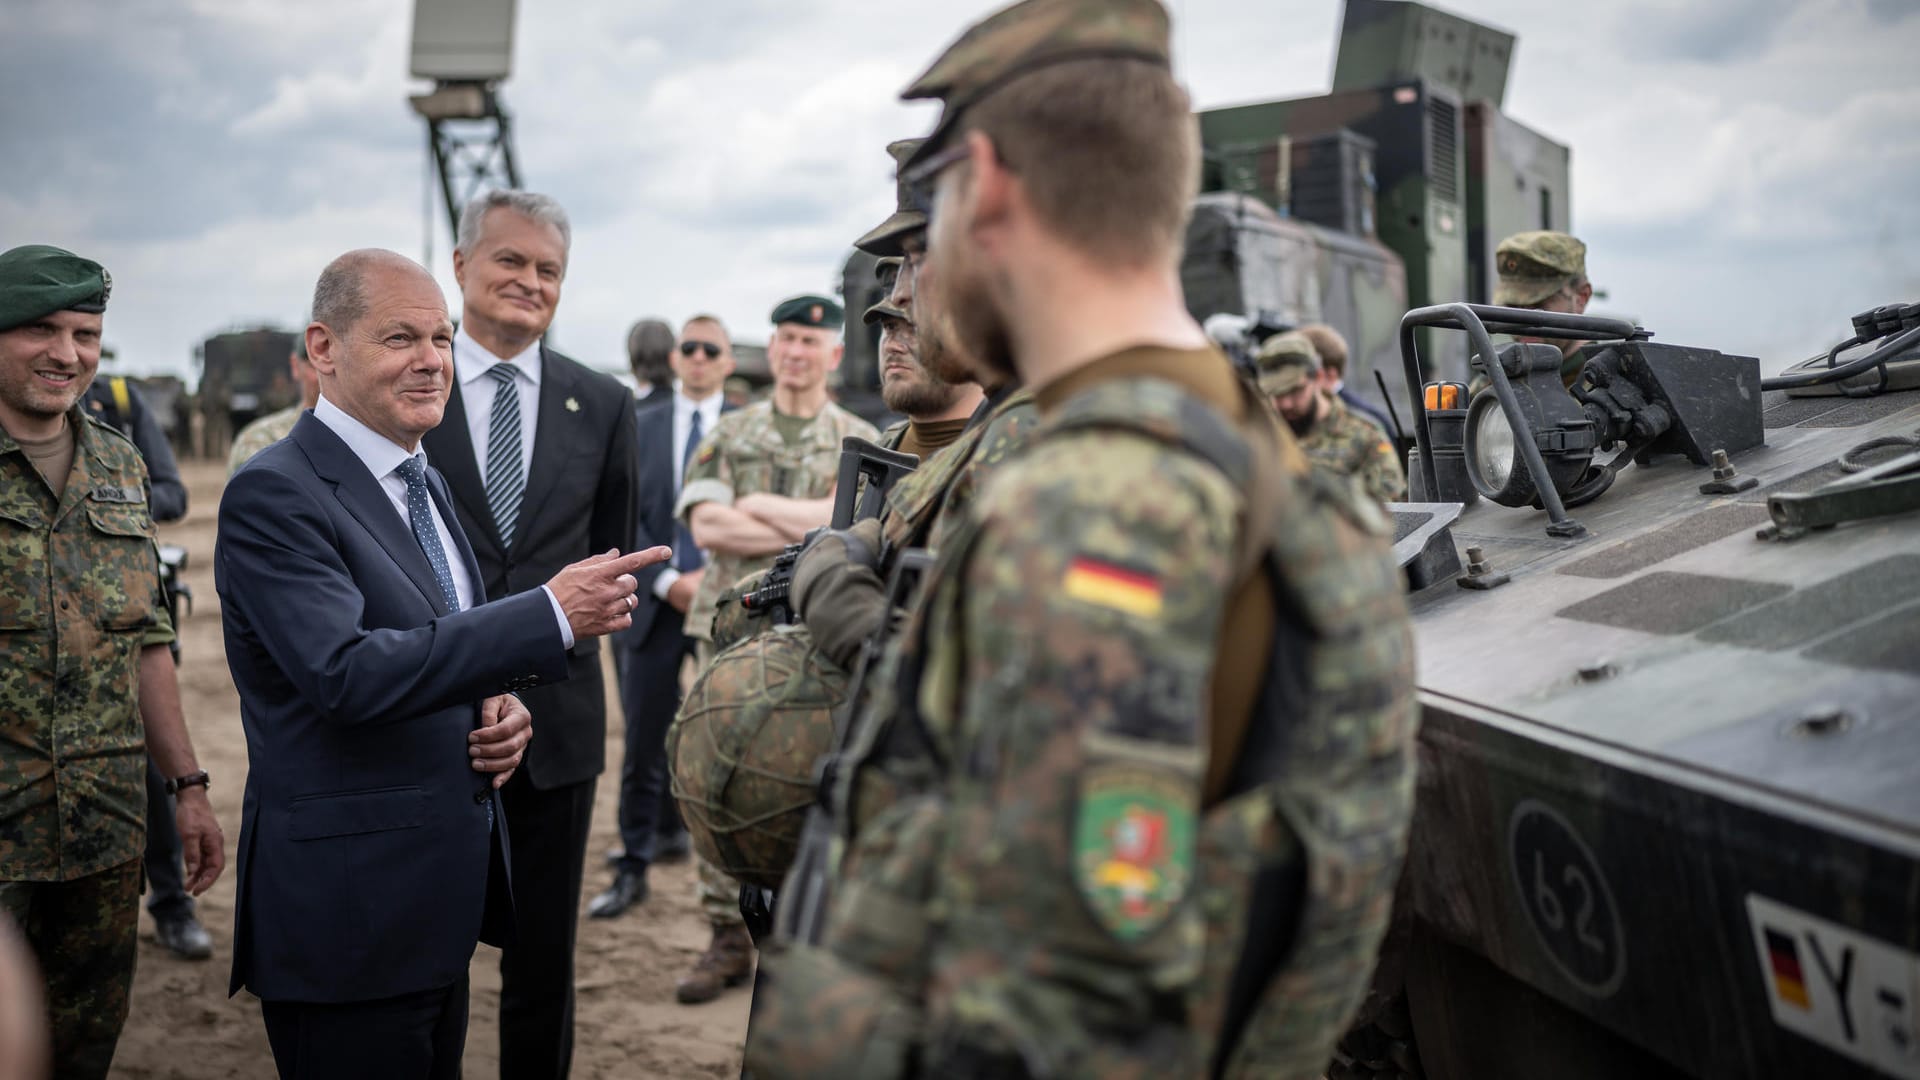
column 37, row 280
column 1285, row 362
column 808, row 309
column 884, row 239
column 1535, row 265
column 1031, row 35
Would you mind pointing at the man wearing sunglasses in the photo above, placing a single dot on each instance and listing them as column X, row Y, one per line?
column 1129, row 793
column 670, row 427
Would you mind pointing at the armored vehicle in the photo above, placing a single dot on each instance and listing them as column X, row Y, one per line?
column 1668, row 817
column 243, row 376
column 1409, row 160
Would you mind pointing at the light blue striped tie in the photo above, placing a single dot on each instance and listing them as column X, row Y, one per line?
column 505, row 482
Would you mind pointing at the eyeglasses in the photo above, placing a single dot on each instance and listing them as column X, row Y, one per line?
column 920, row 180
column 688, row 348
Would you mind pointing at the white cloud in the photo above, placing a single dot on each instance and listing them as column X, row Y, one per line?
column 1741, row 169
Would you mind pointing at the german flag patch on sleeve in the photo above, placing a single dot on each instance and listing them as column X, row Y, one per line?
column 1110, row 585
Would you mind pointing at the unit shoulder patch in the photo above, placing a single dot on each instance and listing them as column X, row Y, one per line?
column 1133, row 846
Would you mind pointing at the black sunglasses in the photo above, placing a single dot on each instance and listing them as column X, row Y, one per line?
column 688, row 348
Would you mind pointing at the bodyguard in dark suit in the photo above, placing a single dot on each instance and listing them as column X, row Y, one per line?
column 376, row 692
column 539, row 454
column 670, row 425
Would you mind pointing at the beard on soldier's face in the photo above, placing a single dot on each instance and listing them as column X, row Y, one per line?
column 978, row 326
column 1303, row 425
column 917, row 395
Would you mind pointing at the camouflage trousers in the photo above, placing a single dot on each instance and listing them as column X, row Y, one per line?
column 719, row 891
column 84, row 934
column 719, row 894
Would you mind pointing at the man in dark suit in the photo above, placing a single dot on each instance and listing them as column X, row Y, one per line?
column 539, row 453
column 376, row 691
column 650, row 654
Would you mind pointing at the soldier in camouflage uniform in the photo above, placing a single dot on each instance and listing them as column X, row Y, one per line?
column 1337, row 439
column 1138, row 816
column 936, row 411
column 273, row 427
column 1543, row 271
column 842, row 602
column 83, row 664
column 757, row 483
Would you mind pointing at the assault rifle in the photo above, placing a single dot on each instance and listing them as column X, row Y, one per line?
column 860, row 459
column 801, row 914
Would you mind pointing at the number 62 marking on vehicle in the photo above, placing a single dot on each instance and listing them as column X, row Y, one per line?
column 1567, row 898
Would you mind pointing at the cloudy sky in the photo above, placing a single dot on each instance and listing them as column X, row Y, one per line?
column 1744, row 170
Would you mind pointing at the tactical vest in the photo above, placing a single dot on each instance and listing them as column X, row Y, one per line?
column 1299, row 852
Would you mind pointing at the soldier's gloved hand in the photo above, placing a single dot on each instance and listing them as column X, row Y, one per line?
column 838, row 593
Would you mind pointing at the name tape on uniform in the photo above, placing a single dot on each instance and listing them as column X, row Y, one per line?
column 1844, row 990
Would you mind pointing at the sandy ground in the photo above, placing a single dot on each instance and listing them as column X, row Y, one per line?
column 184, row 1027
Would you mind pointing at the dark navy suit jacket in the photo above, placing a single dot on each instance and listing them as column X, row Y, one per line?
column 365, row 867
column 654, row 495
column 578, row 502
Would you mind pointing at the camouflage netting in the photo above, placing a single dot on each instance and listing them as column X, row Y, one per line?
column 743, row 750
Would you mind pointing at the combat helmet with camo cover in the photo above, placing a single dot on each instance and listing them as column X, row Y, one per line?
column 743, row 748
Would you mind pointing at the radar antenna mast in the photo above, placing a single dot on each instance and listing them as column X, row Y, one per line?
column 466, row 48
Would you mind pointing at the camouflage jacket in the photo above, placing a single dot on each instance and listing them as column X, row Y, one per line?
column 949, row 481
column 1347, row 444
column 261, row 434
column 744, row 454
column 81, row 598
column 1045, row 891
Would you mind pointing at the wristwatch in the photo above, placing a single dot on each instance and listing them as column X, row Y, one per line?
column 197, row 778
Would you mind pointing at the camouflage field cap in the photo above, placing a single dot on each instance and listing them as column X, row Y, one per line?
column 1030, row 35
column 1285, row 362
column 886, row 308
column 884, row 239
column 1535, row 265
column 809, row 309
column 37, row 280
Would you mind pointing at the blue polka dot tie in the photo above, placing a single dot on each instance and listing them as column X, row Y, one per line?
column 420, row 515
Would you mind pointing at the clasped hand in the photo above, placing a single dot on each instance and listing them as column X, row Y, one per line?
column 500, row 742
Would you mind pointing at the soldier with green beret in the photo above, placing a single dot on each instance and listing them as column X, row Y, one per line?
column 1111, row 840
column 1545, row 271
column 1348, row 446
column 87, row 685
column 760, row 480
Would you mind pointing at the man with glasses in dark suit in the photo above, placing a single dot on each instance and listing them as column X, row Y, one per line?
column 670, row 426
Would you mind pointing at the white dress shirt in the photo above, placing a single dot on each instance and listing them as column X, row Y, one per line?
column 471, row 362
column 683, row 409
column 383, row 458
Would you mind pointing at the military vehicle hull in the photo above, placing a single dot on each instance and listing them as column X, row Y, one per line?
column 1668, row 818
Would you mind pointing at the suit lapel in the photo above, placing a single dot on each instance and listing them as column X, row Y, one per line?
column 363, row 498
column 660, row 446
column 549, row 438
column 450, row 450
